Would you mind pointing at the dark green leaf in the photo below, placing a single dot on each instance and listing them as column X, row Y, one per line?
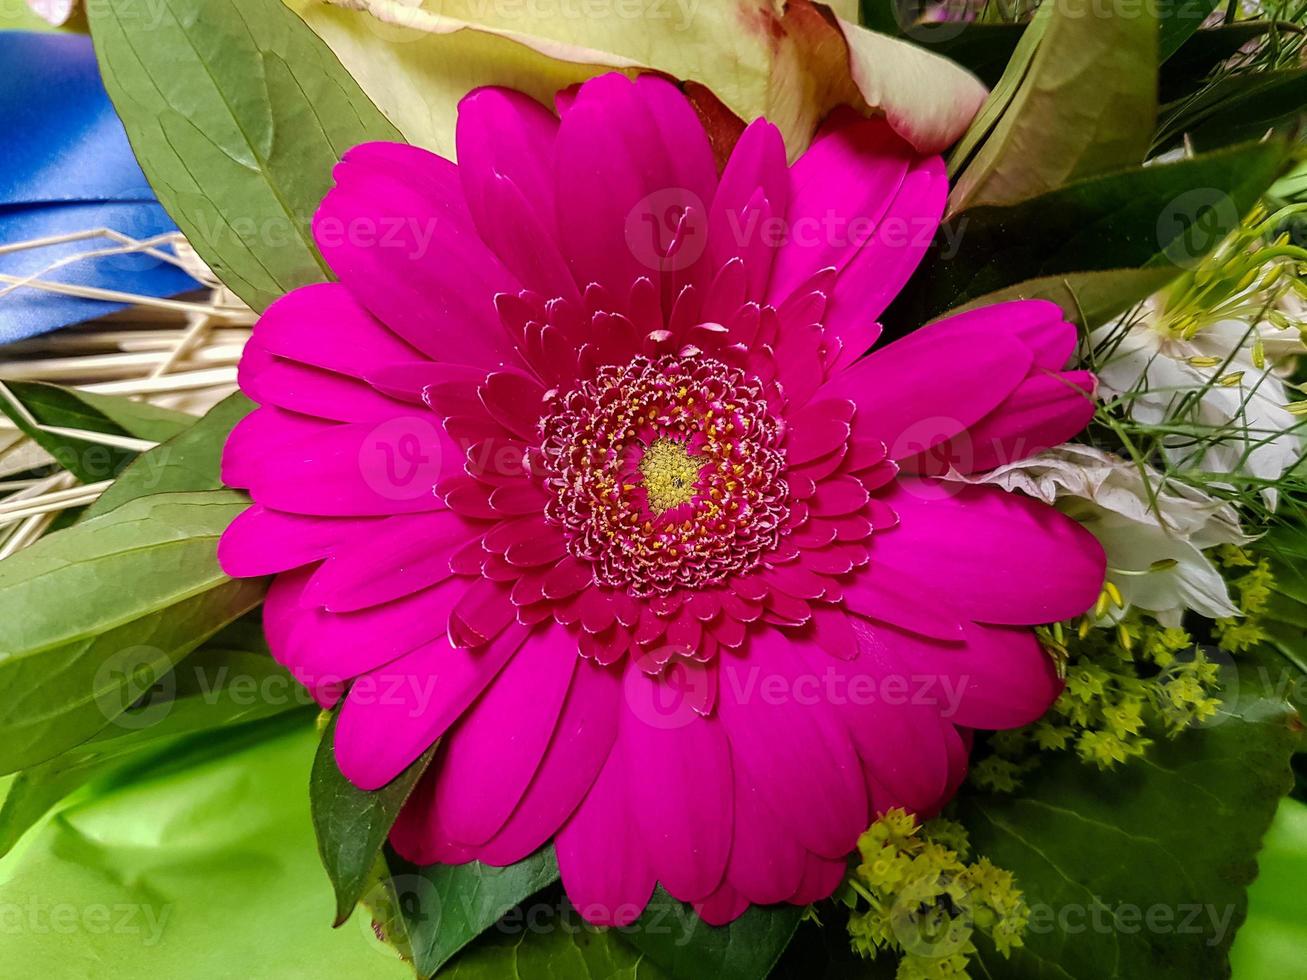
column 1159, row 216
column 1084, row 102
column 352, row 825
column 1202, row 52
column 1178, row 20
column 568, row 950
column 675, row 938
column 91, row 617
column 51, row 416
column 1088, row 298
column 1235, row 108
column 1142, row 871
column 445, row 907
column 189, row 461
column 984, row 49
column 237, row 113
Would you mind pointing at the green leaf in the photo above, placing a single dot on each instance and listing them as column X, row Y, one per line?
column 1142, row 871
column 1276, row 931
column 1158, row 216
column 191, row 460
column 1089, row 299
column 214, row 688
column 445, row 906
column 1178, row 20
column 237, row 113
column 1083, row 104
column 1204, row 50
column 92, row 436
column 91, row 617
column 1235, row 108
column 351, row 824
column 984, row 49
column 568, row 950
column 674, row 937
column 197, row 864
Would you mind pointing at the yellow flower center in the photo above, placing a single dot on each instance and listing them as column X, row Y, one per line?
column 669, row 474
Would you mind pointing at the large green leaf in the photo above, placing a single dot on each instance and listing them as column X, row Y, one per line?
column 1159, row 216
column 675, row 938
column 197, row 863
column 445, row 907
column 237, row 113
column 92, row 436
column 1142, row 871
column 1084, row 104
column 216, row 687
column 191, row 460
column 351, row 825
column 91, row 617
column 1186, row 69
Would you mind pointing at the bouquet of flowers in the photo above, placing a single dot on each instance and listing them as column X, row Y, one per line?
column 728, row 488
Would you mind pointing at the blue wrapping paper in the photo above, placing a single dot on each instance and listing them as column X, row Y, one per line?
column 66, row 166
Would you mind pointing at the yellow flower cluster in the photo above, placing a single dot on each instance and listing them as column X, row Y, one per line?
column 1253, row 591
column 916, row 893
column 1123, row 686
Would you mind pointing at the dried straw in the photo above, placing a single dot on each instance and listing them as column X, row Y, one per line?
column 175, row 353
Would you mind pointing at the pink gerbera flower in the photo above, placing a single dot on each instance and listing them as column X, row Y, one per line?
column 580, row 469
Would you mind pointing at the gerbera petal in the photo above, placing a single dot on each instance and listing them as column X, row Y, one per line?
column 489, row 758
column 392, row 715
column 601, row 851
column 1000, row 557
column 397, row 232
column 791, row 746
column 262, row 541
column 679, row 785
column 931, row 385
column 577, row 750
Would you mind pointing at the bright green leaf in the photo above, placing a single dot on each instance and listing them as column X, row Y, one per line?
column 351, row 825
column 673, row 936
column 237, row 113
column 91, row 617
column 196, row 864
column 1275, row 934
column 215, row 687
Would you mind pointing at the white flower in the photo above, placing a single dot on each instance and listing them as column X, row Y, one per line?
column 1202, row 356
column 1154, row 543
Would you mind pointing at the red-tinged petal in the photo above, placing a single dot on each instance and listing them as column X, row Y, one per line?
column 514, row 401
column 888, row 594
column 820, row 429
column 271, row 380
column 482, row 614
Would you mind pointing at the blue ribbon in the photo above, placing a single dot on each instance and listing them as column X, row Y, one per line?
column 66, row 166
